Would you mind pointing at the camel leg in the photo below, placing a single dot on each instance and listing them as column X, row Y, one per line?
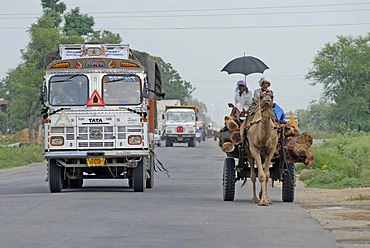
column 261, row 176
column 253, row 179
column 267, row 172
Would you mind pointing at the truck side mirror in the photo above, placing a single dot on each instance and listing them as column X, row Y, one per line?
column 146, row 90
column 43, row 97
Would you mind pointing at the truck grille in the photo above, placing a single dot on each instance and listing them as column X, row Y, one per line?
column 96, row 136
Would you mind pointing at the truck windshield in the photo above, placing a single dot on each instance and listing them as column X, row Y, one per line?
column 121, row 90
column 181, row 116
column 70, row 90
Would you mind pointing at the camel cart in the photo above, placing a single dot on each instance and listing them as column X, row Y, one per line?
column 236, row 167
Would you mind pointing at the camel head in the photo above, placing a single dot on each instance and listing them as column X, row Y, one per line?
column 298, row 147
column 266, row 100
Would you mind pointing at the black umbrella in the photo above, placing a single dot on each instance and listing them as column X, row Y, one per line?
column 245, row 65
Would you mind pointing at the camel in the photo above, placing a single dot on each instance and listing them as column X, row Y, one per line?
column 261, row 141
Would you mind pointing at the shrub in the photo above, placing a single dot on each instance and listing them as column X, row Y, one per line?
column 341, row 162
column 19, row 156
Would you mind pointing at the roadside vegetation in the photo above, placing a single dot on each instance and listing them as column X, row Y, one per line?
column 20, row 156
column 340, row 162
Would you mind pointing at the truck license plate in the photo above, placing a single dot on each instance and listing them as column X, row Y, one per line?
column 180, row 138
column 91, row 162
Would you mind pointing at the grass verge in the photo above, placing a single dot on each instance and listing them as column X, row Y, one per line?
column 19, row 156
column 341, row 162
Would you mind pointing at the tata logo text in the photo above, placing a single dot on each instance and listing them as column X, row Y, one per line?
column 95, row 120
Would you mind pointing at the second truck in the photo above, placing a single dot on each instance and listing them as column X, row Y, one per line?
column 180, row 124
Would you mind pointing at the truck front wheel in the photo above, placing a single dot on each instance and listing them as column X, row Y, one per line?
column 139, row 177
column 55, row 177
column 168, row 142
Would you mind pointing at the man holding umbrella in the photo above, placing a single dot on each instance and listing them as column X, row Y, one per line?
column 243, row 97
column 265, row 83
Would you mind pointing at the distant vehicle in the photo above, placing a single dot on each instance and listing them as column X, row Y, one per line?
column 180, row 125
column 157, row 138
column 198, row 135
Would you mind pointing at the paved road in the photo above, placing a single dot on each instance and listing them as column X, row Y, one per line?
column 185, row 210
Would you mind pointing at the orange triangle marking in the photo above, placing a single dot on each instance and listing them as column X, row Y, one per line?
column 95, row 100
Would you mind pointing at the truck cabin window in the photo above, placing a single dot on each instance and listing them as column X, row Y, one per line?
column 121, row 90
column 68, row 90
column 181, row 117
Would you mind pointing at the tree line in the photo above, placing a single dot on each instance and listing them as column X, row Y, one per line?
column 21, row 85
column 343, row 69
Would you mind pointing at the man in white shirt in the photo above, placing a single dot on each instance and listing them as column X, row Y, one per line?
column 243, row 97
column 264, row 84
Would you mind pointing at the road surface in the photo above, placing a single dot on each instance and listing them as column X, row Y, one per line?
column 183, row 210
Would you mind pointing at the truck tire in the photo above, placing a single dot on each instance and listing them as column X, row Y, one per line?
column 192, row 142
column 55, row 177
column 229, row 179
column 168, row 142
column 139, row 177
column 150, row 180
column 288, row 184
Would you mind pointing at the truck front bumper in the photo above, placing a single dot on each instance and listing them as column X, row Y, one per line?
column 180, row 137
column 86, row 154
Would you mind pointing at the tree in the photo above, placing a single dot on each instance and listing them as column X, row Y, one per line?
column 22, row 85
column 319, row 117
column 173, row 85
column 80, row 23
column 54, row 9
column 343, row 68
column 104, row 37
column 24, row 82
column 202, row 115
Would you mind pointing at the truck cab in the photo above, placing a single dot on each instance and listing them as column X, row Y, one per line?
column 180, row 125
column 97, row 115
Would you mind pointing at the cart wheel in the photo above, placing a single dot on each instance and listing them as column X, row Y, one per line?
column 289, row 184
column 229, row 179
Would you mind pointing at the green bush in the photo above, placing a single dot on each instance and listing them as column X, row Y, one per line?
column 341, row 162
column 19, row 156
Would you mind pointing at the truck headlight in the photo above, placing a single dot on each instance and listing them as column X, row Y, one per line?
column 57, row 140
column 134, row 139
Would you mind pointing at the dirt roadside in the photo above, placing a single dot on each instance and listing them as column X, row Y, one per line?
column 344, row 212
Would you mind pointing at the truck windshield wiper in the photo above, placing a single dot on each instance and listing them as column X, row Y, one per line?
column 64, row 80
column 115, row 80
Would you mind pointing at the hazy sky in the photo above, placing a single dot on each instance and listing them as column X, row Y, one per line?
column 198, row 37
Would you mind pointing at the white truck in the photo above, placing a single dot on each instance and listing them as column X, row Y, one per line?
column 161, row 109
column 180, row 125
column 99, row 114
